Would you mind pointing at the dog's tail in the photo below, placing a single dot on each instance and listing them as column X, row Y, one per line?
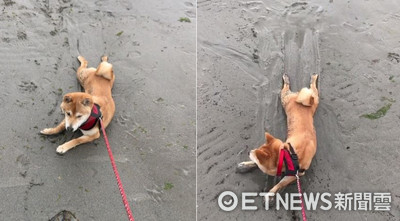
column 305, row 97
column 105, row 69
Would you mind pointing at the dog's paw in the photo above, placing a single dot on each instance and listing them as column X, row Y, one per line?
column 244, row 167
column 47, row 131
column 271, row 201
column 62, row 149
column 314, row 78
column 285, row 79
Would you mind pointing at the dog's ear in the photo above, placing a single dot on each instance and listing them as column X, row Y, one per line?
column 268, row 137
column 87, row 102
column 67, row 99
column 262, row 156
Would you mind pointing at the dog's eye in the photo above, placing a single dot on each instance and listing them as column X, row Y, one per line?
column 69, row 114
column 79, row 116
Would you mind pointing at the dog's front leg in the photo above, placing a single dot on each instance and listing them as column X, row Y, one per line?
column 245, row 166
column 282, row 184
column 75, row 142
column 50, row 131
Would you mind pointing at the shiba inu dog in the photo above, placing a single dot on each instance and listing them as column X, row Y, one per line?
column 301, row 139
column 83, row 110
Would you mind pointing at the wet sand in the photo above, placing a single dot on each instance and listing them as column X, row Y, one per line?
column 153, row 130
column 243, row 49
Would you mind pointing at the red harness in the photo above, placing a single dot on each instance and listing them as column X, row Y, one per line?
column 291, row 162
column 292, row 169
column 94, row 117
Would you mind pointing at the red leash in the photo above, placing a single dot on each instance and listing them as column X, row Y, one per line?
column 121, row 188
column 303, row 211
column 291, row 168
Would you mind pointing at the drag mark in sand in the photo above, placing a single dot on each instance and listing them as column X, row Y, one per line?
column 240, row 64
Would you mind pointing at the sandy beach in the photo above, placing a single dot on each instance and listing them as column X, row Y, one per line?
column 244, row 47
column 153, row 130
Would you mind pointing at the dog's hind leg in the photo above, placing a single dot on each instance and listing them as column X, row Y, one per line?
column 83, row 72
column 105, row 69
column 285, row 89
column 245, row 166
column 286, row 83
column 314, row 89
column 83, row 62
column 314, row 83
column 50, row 131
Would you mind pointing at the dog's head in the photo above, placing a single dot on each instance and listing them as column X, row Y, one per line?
column 266, row 155
column 77, row 108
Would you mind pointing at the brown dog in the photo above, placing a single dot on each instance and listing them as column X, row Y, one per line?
column 300, row 108
column 82, row 109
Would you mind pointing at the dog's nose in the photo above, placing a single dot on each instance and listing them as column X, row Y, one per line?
column 69, row 129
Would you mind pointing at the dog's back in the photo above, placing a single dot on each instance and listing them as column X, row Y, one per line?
column 98, row 82
column 300, row 108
